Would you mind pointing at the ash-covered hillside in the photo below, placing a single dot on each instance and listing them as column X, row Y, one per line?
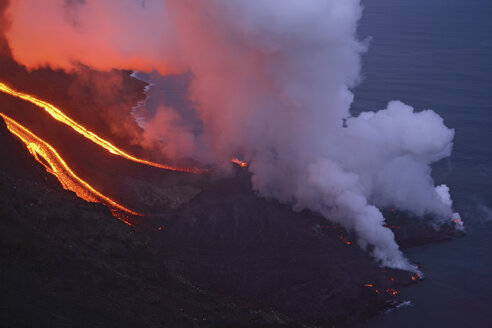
column 211, row 253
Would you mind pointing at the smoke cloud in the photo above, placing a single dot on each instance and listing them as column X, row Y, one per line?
column 271, row 83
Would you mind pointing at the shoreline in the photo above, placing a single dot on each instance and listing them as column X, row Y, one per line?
column 140, row 120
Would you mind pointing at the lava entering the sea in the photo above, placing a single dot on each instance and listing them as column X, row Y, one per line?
column 58, row 115
column 45, row 154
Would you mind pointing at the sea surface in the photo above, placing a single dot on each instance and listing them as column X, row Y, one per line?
column 437, row 54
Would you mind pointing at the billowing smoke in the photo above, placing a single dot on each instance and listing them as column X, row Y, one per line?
column 271, row 83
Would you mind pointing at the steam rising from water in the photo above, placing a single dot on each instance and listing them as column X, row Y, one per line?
column 271, row 83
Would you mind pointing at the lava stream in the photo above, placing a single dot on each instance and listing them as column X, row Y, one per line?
column 57, row 114
column 239, row 162
column 54, row 164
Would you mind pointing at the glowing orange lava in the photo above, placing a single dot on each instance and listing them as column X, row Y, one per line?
column 344, row 240
column 239, row 162
column 54, row 164
column 58, row 115
column 417, row 276
column 390, row 291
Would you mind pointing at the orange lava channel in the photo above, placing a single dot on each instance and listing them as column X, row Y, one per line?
column 55, row 165
column 57, row 114
column 239, row 162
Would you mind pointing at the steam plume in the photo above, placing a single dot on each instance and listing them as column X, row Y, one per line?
column 271, row 83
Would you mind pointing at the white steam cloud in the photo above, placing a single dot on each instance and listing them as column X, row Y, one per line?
column 271, row 83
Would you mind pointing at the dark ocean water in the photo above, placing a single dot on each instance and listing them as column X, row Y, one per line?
column 437, row 54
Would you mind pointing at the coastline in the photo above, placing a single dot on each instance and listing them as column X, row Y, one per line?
column 140, row 119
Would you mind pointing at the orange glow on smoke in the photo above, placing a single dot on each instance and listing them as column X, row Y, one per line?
column 239, row 162
column 58, row 115
column 54, row 164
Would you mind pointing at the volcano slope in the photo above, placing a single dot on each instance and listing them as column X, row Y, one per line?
column 212, row 254
column 68, row 263
column 252, row 262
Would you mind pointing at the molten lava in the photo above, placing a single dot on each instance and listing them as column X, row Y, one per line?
column 392, row 291
column 417, row 276
column 239, row 162
column 58, row 115
column 389, row 291
column 345, row 240
column 54, row 164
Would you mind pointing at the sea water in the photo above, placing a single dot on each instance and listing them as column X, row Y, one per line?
column 437, row 54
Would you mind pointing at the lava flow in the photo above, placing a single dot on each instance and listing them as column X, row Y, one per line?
column 58, row 115
column 389, row 291
column 54, row 164
column 239, row 162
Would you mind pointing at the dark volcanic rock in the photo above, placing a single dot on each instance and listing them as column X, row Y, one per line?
column 229, row 240
column 412, row 231
column 68, row 263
